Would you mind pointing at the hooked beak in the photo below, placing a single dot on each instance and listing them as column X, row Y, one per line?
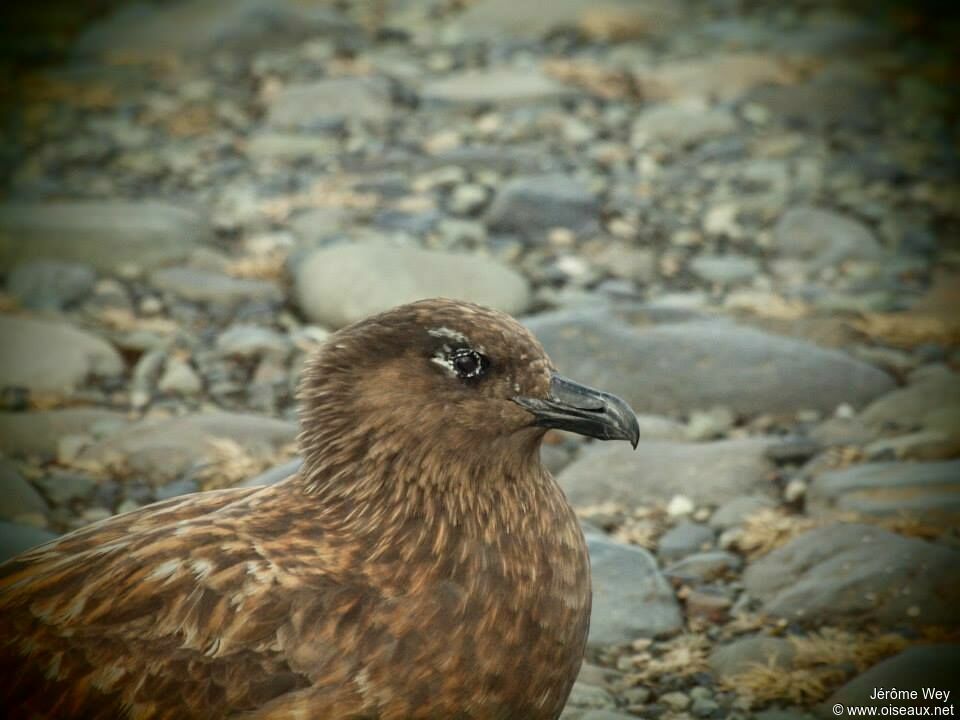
column 583, row 410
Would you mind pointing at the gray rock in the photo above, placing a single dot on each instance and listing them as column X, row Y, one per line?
column 324, row 104
column 614, row 20
column 283, row 147
column 51, row 356
column 63, row 487
column 723, row 76
column 733, row 512
column 739, row 656
column 626, row 261
column 14, row 539
column 202, row 26
column 583, row 695
column 917, row 668
column 682, row 124
column 534, row 204
column 339, row 285
column 503, row 87
column 707, row 473
column 49, row 284
column 823, row 237
column 926, row 491
column 683, row 539
column 179, row 378
column 104, row 234
column 38, row 433
column 164, row 449
column 274, row 474
column 314, row 226
column 631, row 598
column 704, row 566
column 850, row 572
column 205, row 286
column 918, row 405
column 725, row 269
column 184, row 486
column 19, row 496
column 467, row 198
column 677, row 368
column 252, row 341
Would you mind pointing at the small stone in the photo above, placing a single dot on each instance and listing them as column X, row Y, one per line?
column 707, row 606
column 63, row 487
column 709, row 424
column 740, row 655
column 704, row 566
column 20, row 498
column 502, row 87
column 535, row 204
column 15, row 539
column 795, row 490
column 676, row 701
column 684, row 539
column 49, row 284
column 725, row 269
column 212, row 287
column 824, row 237
column 679, row 506
column 733, row 512
column 248, row 341
column 467, row 199
column 51, row 356
column 179, row 378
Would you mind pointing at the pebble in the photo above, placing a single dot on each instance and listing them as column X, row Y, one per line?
column 50, row 285
column 178, row 377
column 52, row 356
column 703, row 473
column 101, row 234
column 342, row 284
column 533, row 205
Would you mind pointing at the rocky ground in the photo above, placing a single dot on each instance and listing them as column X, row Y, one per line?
column 742, row 217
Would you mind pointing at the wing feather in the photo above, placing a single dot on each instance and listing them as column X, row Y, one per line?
column 174, row 610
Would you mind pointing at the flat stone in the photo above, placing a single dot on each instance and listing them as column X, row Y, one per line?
column 610, row 20
column 49, row 284
column 706, row 473
column 14, row 539
column 205, row 286
column 52, row 356
column 248, row 341
column 203, row 26
column 926, row 491
column 631, row 598
column 532, row 204
column 733, row 512
column 725, row 269
column 284, row 147
column 724, row 76
column 683, row 539
column 858, row 573
column 38, row 433
column 164, row 449
column 677, row 368
column 62, row 487
column 104, row 234
column 704, row 566
column 823, row 237
column 338, row 285
column 19, row 496
column 743, row 654
column 920, row 404
column 916, row 669
column 324, row 104
column 681, row 124
column 502, row 87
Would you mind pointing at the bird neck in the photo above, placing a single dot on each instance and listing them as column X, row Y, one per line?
column 367, row 480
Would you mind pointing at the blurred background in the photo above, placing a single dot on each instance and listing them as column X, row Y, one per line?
column 741, row 216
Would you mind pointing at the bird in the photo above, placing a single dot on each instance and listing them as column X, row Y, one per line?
column 422, row 563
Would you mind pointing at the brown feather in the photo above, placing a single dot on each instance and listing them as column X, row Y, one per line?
column 421, row 565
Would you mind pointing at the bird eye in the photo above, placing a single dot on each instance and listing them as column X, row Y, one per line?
column 468, row 363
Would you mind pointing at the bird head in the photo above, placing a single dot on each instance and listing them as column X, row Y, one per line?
column 452, row 375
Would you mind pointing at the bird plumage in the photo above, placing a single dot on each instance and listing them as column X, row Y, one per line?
column 422, row 564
